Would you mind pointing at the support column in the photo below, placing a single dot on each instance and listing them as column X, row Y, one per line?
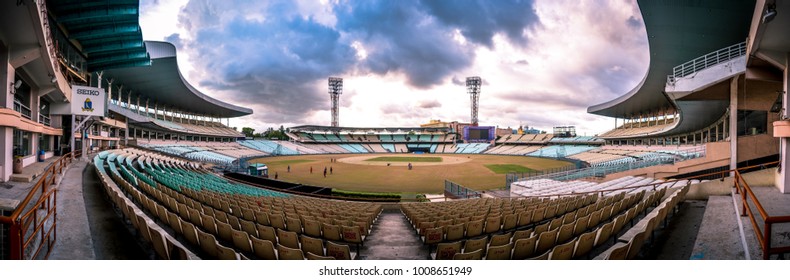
column 7, row 73
column 784, row 144
column 734, row 122
column 120, row 93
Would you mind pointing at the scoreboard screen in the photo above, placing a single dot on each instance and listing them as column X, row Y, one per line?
column 479, row 133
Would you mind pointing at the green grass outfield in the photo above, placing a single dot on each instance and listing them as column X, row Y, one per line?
column 382, row 178
column 406, row 159
column 507, row 168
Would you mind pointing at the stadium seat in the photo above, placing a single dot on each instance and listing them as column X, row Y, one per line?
column 500, row 239
column 474, row 255
column 225, row 253
column 584, row 245
column 565, row 232
column 267, row 233
column 546, row 241
column 500, row 252
column 311, row 256
column 287, row 238
column 241, row 241
column 287, row 253
column 264, row 249
column 563, row 251
column 617, row 252
column 338, row 251
column 455, row 232
column 472, row 245
column 446, row 251
column 312, row 245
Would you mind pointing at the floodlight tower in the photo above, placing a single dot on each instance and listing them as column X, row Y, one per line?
column 473, row 88
column 335, row 90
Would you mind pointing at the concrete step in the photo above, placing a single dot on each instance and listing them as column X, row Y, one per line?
column 719, row 237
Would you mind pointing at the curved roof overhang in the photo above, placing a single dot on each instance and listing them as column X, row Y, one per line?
column 768, row 39
column 163, row 83
column 678, row 31
column 106, row 32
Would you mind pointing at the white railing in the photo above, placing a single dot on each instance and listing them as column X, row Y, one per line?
column 705, row 61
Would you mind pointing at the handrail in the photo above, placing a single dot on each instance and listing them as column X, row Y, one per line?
column 705, row 61
column 764, row 235
column 26, row 227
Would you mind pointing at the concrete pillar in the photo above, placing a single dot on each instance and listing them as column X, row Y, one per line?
column 109, row 91
column 7, row 73
column 784, row 144
column 129, row 100
column 138, row 104
column 734, row 122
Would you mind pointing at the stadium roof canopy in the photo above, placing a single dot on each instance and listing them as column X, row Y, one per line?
column 162, row 83
column 679, row 31
column 107, row 32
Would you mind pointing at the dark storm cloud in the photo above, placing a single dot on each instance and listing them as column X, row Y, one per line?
column 480, row 20
column 400, row 37
column 280, row 63
column 270, row 56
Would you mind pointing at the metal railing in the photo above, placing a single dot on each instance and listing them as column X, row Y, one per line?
column 705, row 61
column 457, row 191
column 43, row 119
column 22, row 109
column 33, row 224
column 764, row 235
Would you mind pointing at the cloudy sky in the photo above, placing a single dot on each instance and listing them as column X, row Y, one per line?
column 404, row 62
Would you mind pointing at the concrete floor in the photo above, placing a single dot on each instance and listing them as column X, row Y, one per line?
column 393, row 238
column 775, row 204
column 89, row 227
column 676, row 240
column 719, row 237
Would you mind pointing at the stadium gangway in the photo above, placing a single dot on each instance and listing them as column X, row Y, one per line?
column 32, row 225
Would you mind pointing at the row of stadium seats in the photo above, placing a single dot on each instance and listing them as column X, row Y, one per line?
column 220, row 218
column 471, row 148
column 561, row 151
column 526, row 138
column 372, row 138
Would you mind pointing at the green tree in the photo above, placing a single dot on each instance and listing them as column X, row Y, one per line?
column 248, row 131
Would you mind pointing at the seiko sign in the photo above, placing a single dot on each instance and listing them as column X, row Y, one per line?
column 88, row 101
column 82, row 91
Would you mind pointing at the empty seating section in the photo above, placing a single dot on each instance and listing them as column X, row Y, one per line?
column 569, row 227
column 268, row 147
column 637, row 129
column 578, row 140
column 545, row 187
column 221, row 153
column 471, row 148
column 561, row 151
column 219, row 219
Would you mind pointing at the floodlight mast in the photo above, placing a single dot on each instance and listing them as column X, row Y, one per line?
column 335, row 90
column 473, row 89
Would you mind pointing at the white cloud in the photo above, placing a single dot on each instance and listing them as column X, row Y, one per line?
column 567, row 64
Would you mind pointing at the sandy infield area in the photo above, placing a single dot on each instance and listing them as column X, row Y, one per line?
column 361, row 160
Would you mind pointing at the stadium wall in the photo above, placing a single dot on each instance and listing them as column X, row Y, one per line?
column 759, row 95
